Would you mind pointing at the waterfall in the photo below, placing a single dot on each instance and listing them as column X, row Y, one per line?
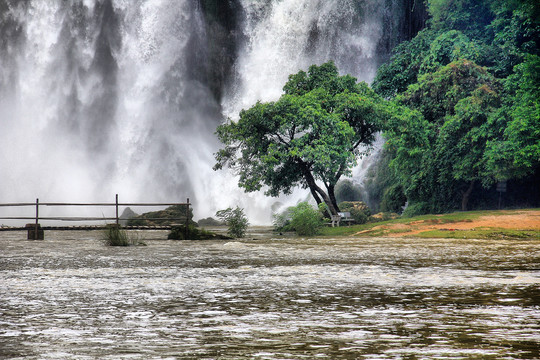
column 286, row 36
column 123, row 96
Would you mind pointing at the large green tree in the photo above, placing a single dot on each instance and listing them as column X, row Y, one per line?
column 310, row 137
column 440, row 145
column 515, row 152
column 472, row 79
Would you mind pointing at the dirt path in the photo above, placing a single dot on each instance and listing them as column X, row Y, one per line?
column 516, row 220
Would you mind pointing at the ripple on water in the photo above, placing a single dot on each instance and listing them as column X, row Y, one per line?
column 269, row 299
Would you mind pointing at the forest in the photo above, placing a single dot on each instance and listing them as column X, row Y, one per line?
column 457, row 106
column 470, row 84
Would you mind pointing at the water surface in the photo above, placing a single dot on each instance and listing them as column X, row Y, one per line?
column 71, row 297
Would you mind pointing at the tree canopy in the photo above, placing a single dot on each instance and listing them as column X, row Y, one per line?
column 469, row 84
column 310, row 137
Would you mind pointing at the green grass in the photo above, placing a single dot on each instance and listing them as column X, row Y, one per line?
column 116, row 236
column 367, row 230
column 347, row 230
column 493, row 234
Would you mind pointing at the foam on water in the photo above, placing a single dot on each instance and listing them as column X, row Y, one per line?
column 73, row 298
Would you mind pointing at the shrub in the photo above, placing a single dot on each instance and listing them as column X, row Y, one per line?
column 305, row 219
column 179, row 232
column 393, row 199
column 282, row 221
column 235, row 219
column 414, row 209
column 116, row 236
column 360, row 212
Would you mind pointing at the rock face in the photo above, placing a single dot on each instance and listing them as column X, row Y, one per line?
column 170, row 216
column 126, row 215
column 209, row 221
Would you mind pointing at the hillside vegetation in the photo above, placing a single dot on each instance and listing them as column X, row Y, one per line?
column 467, row 91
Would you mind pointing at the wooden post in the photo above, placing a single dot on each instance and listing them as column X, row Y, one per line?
column 187, row 219
column 36, row 228
column 117, row 220
column 35, row 232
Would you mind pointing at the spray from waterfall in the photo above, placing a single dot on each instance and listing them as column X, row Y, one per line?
column 99, row 97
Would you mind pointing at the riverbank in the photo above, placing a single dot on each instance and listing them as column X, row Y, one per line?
column 490, row 224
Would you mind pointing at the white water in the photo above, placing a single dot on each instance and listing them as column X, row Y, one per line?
column 287, row 36
column 72, row 297
column 94, row 103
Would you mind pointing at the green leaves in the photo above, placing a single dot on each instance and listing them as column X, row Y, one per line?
column 472, row 78
column 440, row 145
column 519, row 147
column 235, row 219
column 313, row 132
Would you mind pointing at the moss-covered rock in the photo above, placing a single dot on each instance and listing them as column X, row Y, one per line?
column 169, row 216
column 210, row 221
column 193, row 233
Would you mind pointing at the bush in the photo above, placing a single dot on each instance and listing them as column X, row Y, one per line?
column 414, row 209
column 179, row 232
column 235, row 219
column 116, row 236
column 305, row 219
column 282, row 221
column 393, row 199
column 360, row 212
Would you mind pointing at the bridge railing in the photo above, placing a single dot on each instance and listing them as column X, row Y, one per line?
column 116, row 218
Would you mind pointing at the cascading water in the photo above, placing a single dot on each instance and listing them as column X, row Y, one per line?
column 105, row 96
column 284, row 37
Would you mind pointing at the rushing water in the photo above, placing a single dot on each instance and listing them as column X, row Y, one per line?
column 101, row 97
column 71, row 297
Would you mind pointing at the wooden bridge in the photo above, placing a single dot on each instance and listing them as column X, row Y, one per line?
column 36, row 231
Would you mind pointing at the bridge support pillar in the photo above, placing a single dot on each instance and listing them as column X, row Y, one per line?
column 31, row 228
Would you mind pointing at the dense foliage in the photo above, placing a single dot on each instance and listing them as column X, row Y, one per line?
column 346, row 190
column 303, row 219
column 467, row 98
column 359, row 211
column 235, row 219
column 312, row 135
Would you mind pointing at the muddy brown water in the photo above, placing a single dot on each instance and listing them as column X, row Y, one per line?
column 72, row 297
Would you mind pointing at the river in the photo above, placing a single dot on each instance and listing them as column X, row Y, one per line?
column 72, row 297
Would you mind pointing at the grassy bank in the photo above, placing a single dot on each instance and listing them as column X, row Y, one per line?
column 491, row 224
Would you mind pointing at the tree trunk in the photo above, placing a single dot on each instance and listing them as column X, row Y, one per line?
column 315, row 195
column 317, row 192
column 466, row 195
column 332, row 196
